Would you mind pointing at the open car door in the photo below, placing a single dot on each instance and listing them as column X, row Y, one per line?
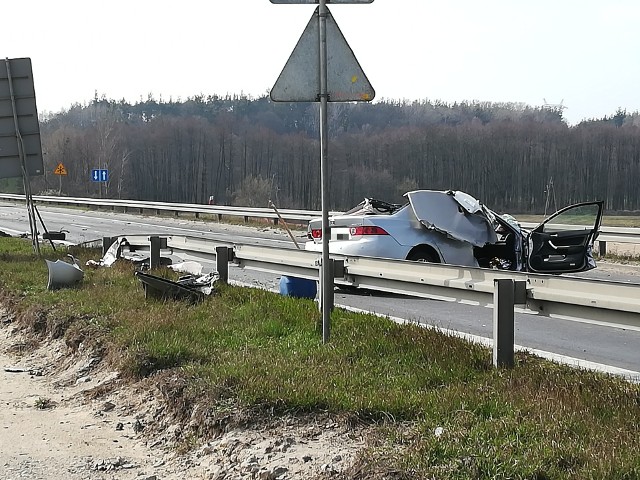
column 564, row 242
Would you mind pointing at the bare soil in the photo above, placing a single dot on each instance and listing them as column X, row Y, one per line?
column 67, row 415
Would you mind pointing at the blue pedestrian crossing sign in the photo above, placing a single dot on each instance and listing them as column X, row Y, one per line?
column 100, row 175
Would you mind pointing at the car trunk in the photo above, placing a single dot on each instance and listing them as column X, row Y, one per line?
column 340, row 226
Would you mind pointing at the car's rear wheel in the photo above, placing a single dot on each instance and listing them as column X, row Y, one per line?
column 424, row 255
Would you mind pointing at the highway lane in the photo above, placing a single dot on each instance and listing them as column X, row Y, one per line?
column 88, row 225
column 595, row 343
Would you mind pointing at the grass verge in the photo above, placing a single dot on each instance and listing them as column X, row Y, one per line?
column 441, row 410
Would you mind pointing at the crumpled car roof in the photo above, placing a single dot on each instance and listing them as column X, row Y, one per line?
column 455, row 214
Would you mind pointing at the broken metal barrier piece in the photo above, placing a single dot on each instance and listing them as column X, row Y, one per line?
column 114, row 248
column 190, row 287
column 63, row 274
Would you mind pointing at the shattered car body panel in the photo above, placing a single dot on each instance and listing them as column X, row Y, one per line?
column 63, row 274
column 455, row 214
column 455, row 228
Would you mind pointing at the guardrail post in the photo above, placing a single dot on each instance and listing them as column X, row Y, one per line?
column 506, row 294
column 503, row 319
column 223, row 256
column 106, row 243
column 602, row 248
column 156, row 243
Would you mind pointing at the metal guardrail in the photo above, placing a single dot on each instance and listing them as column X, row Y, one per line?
column 605, row 302
column 176, row 208
column 607, row 234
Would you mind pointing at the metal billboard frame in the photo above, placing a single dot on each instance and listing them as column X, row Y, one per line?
column 20, row 145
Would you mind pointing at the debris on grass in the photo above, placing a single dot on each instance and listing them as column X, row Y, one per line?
column 189, row 287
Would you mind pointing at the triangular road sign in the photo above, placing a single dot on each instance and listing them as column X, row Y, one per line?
column 300, row 77
column 60, row 170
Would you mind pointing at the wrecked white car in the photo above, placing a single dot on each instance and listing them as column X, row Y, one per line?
column 453, row 227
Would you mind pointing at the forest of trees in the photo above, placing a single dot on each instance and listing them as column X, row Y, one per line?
column 245, row 151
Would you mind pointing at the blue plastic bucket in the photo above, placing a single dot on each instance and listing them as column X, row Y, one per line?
column 297, row 287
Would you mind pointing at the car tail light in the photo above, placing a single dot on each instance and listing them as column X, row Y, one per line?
column 316, row 233
column 367, row 230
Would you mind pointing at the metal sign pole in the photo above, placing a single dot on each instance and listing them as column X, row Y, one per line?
column 312, row 75
column 325, row 276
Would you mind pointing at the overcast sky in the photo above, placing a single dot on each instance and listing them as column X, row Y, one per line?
column 584, row 53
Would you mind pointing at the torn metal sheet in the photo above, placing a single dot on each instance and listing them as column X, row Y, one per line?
column 190, row 287
column 194, row 268
column 466, row 201
column 460, row 217
column 201, row 283
column 63, row 274
column 373, row 206
column 116, row 251
column 112, row 254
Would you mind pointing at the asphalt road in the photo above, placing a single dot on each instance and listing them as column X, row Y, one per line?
column 579, row 341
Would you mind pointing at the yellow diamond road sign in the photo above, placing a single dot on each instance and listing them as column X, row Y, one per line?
column 60, row 170
column 300, row 77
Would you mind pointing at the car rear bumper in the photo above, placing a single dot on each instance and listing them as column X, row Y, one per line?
column 376, row 246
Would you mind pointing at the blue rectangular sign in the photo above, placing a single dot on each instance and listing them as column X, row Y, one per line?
column 100, row 175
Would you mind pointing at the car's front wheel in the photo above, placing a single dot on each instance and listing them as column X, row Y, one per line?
column 424, row 255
